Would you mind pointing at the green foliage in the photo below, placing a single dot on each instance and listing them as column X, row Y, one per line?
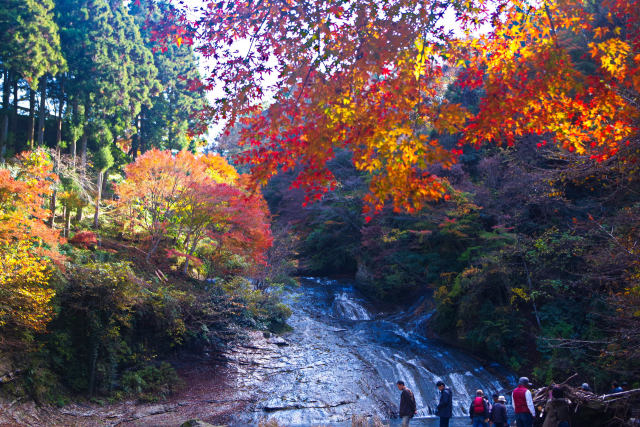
column 103, row 159
column 151, row 383
column 173, row 103
column 256, row 308
column 30, row 40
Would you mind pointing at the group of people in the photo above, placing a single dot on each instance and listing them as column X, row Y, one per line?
column 483, row 413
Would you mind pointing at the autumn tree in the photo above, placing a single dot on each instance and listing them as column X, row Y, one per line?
column 189, row 201
column 566, row 71
column 370, row 77
column 27, row 244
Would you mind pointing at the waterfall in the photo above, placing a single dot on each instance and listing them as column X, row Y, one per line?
column 347, row 308
column 344, row 360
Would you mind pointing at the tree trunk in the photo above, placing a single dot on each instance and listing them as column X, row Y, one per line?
column 52, row 208
column 56, row 160
column 96, row 215
column 4, row 133
column 135, row 141
column 67, row 221
column 32, row 117
column 79, row 214
column 41, row 116
column 191, row 252
column 14, row 119
column 170, row 136
column 83, row 152
column 74, row 142
column 143, row 143
column 92, row 374
column 60, row 110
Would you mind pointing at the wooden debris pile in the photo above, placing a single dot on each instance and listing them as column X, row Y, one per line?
column 590, row 409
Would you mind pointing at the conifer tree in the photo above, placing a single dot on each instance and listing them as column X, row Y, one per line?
column 165, row 124
column 29, row 49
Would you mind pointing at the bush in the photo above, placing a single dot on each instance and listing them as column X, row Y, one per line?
column 256, row 308
column 151, row 383
column 84, row 239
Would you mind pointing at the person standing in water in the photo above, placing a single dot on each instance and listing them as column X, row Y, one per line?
column 407, row 403
column 445, row 407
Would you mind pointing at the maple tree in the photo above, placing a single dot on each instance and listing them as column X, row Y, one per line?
column 565, row 70
column 352, row 74
column 370, row 77
column 24, row 189
column 195, row 200
column 27, row 244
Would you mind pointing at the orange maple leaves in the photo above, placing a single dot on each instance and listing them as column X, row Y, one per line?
column 196, row 202
column 370, row 77
column 27, row 244
column 24, row 191
column 546, row 71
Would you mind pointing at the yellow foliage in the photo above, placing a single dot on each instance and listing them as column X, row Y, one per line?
column 25, row 294
column 519, row 293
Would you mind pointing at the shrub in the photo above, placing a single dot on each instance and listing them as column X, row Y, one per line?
column 151, row 382
column 84, row 239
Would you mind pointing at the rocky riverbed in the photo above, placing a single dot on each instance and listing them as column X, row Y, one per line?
column 341, row 359
column 212, row 391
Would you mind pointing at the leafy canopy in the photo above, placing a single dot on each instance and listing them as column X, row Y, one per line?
column 370, row 77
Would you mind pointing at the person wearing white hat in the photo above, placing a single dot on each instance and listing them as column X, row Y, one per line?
column 499, row 412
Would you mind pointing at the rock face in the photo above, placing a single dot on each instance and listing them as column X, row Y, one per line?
column 279, row 341
column 342, row 360
column 197, row 423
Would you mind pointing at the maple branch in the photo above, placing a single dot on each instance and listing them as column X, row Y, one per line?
column 553, row 28
column 614, row 238
column 304, row 83
column 255, row 35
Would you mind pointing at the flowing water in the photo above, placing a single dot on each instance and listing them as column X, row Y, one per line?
column 343, row 359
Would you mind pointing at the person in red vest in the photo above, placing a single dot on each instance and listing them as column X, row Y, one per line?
column 523, row 404
column 479, row 410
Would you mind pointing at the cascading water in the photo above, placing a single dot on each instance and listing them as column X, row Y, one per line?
column 343, row 360
column 346, row 307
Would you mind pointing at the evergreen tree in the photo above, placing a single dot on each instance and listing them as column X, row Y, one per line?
column 29, row 49
column 165, row 125
column 111, row 72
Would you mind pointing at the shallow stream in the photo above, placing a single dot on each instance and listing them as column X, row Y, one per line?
column 343, row 359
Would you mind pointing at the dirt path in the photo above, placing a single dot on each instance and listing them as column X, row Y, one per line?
column 212, row 392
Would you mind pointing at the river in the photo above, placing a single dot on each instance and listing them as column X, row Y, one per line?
column 342, row 359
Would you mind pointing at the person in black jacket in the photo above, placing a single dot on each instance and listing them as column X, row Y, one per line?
column 498, row 414
column 445, row 407
column 479, row 410
column 407, row 404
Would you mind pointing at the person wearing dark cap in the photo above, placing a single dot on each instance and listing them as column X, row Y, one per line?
column 445, row 407
column 523, row 403
column 407, row 404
